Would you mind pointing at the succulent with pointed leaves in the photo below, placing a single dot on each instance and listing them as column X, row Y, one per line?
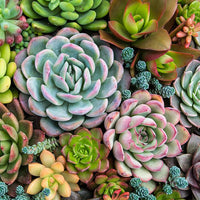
column 190, row 164
column 142, row 133
column 15, row 133
column 52, row 175
column 69, row 80
column 187, row 96
column 11, row 24
column 85, row 153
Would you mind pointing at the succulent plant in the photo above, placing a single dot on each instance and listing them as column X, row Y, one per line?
column 52, row 175
column 186, row 98
column 189, row 31
column 160, row 195
column 76, row 80
column 190, row 164
column 140, row 192
column 15, row 133
column 187, row 10
column 142, row 133
column 138, row 23
column 117, row 195
column 76, row 14
column 7, row 70
column 85, row 153
column 164, row 68
column 27, row 35
column 109, row 185
column 11, row 24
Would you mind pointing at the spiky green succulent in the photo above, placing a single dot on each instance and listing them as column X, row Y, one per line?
column 15, row 133
column 85, row 153
column 87, row 14
column 69, row 80
column 141, row 134
column 187, row 96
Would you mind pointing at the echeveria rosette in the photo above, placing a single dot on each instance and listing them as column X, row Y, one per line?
column 190, row 164
column 110, row 186
column 85, row 153
column 187, row 96
column 164, row 68
column 15, row 133
column 68, row 80
column 51, row 174
column 142, row 133
column 140, row 24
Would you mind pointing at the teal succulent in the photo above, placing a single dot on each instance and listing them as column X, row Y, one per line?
column 77, row 14
column 69, row 80
column 187, row 95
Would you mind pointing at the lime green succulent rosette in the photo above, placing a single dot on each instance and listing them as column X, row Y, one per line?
column 84, row 153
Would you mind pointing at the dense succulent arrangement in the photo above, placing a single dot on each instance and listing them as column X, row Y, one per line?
column 99, row 99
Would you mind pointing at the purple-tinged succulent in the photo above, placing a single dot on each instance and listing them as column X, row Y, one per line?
column 16, row 132
column 69, row 80
column 85, row 153
column 187, row 96
column 142, row 133
column 190, row 164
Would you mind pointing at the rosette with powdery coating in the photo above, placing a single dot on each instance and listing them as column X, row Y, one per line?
column 142, row 133
column 68, row 80
column 187, row 96
column 15, row 133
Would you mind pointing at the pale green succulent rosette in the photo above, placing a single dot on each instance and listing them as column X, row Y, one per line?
column 187, row 97
column 69, row 80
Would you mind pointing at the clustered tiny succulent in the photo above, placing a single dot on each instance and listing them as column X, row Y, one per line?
column 140, row 192
column 174, row 181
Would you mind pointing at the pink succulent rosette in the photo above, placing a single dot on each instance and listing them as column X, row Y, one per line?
column 141, row 134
